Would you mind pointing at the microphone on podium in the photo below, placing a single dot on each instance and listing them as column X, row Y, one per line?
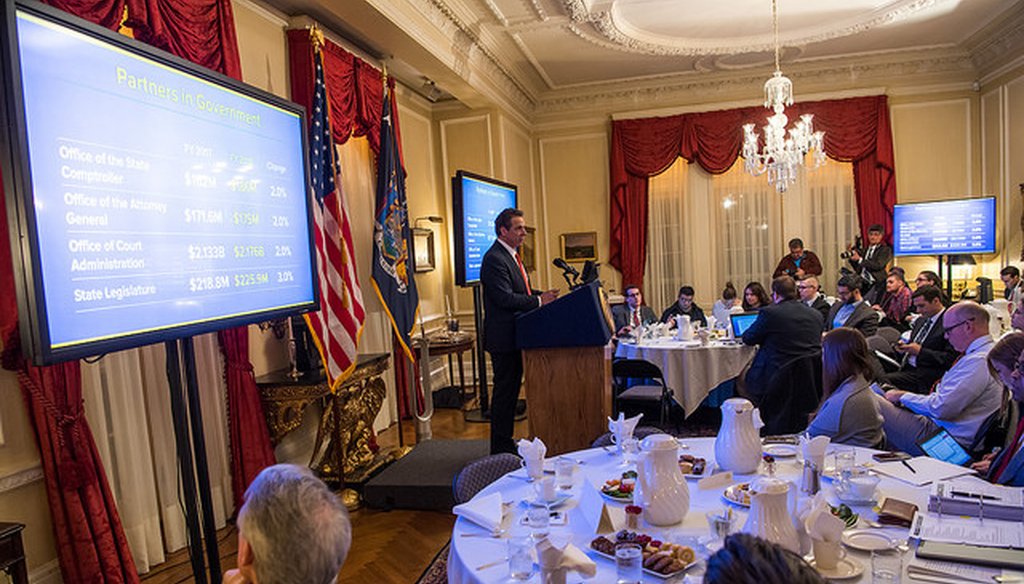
column 568, row 272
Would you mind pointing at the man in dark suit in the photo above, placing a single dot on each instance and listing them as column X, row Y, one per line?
column 851, row 310
column 928, row 354
column 786, row 329
column 870, row 263
column 633, row 313
column 507, row 292
column 810, row 294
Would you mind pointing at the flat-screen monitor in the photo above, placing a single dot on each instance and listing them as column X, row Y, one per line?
column 741, row 322
column 148, row 199
column 476, row 201
column 964, row 226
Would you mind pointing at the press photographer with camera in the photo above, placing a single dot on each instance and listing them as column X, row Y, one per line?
column 799, row 263
column 870, row 263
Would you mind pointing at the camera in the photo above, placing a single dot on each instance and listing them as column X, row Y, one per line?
column 858, row 243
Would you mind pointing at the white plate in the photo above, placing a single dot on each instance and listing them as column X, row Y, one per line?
column 781, row 450
column 733, row 495
column 869, row 540
column 616, row 499
column 846, row 568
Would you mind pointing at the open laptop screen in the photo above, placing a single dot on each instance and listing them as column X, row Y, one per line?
column 741, row 322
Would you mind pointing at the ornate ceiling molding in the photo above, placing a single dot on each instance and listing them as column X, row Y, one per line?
column 998, row 44
column 608, row 28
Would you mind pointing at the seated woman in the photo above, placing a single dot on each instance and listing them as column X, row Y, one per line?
column 726, row 305
column 745, row 558
column 755, row 297
column 849, row 414
column 1006, row 360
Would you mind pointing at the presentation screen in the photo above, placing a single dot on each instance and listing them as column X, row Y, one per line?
column 963, row 226
column 476, row 201
column 148, row 199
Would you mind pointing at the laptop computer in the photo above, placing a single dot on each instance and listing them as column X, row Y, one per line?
column 741, row 322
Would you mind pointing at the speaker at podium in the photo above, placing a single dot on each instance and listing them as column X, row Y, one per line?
column 567, row 368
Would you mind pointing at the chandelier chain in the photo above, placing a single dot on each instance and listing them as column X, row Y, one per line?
column 775, row 30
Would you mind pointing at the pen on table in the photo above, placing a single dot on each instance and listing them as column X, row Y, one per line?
column 974, row 495
column 907, row 464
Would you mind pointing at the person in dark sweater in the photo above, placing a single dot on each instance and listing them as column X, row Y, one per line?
column 684, row 306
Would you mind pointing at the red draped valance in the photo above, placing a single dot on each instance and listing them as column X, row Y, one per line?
column 857, row 130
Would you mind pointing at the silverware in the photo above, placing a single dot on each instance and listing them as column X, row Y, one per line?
column 491, row 564
column 494, row 534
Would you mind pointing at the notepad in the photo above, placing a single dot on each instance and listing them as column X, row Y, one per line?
column 969, row 530
column 928, row 470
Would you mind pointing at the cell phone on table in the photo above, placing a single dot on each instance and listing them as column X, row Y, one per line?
column 781, row 439
column 891, row 456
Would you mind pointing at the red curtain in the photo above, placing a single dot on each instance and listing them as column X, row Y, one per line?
column 856, row 130
column 200, row 31
column 250, row 439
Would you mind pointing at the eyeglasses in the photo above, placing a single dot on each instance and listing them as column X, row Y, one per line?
column 631, row 294
column 948, row 329
column 806, row 287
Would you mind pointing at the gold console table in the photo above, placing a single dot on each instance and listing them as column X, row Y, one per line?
column 344, row 452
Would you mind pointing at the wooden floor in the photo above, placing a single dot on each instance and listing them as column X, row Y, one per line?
column 387, row 546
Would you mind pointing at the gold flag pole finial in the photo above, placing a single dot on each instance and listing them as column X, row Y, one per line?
column 316, row 36
column 384, row 73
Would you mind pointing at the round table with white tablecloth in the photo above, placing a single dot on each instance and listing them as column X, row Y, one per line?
column 691, row 369
column 473, row 548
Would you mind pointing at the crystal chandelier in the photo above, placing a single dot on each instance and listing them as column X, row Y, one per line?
column 782, row 155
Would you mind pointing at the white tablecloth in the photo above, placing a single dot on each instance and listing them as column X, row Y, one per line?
column 467, row 553
column 691, row 370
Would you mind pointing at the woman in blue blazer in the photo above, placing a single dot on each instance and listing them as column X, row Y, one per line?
column 1006, row 360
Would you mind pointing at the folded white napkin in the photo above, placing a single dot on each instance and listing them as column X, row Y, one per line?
column 558, row 557
column 821, row 524
column 803, row 509
column 485, row 511
column 814, row 449
column 532, row 449
column 623, row 427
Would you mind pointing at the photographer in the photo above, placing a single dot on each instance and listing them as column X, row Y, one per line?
column 871, row 263
column 798, row 263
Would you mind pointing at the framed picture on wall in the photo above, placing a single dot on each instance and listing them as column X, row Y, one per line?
column 423, row 249
column 579, row 247
column 528, row 250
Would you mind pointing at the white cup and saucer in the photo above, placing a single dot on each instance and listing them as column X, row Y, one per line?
column 858, row 489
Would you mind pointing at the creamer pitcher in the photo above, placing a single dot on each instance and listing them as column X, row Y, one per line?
column 660, row 484
column 738, row 445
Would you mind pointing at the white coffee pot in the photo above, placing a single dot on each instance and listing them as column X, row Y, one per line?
column 770, row 515
column 660, row 486
column 738, row 445
column 684, row 328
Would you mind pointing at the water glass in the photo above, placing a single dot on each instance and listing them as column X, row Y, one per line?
column 846, row 459
column 720, row 523
column 564, row 468
column 520, row 557
column 630, row 446
column 886, row 567
column 629, row 563
column 538, row 519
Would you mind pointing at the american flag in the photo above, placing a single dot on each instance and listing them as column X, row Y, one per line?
column 338, row 324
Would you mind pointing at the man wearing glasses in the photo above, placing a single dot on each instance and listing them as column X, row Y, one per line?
column 961, row 400
column 810, row 294
column 634, row 313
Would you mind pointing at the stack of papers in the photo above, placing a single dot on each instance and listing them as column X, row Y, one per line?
column 977, row 498
column 969, row 530
column 951, row 572
column 920, row 471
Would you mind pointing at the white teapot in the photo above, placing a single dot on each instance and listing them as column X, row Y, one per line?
column 738, row 445
column 770, row 516
column 660, row 486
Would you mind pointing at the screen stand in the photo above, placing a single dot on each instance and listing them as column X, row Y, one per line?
column 191, row 447
column 483, row 412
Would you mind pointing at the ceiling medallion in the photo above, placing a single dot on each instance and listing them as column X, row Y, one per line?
column 782, row 156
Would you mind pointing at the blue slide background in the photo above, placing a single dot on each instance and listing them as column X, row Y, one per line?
column 945, row 227
column 481, row 203
column 220, row 226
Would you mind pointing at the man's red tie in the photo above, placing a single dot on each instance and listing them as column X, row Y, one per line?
column 636, row 317
column 522, row 272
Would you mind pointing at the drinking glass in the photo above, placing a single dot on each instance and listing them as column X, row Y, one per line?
column 520, row 557
column 886, row 567
column 630, row 446
column 846, row 458
column 564, row 468
column 629, row 563
column 538, row 518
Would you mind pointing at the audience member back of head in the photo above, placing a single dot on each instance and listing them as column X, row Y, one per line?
column 747, row 559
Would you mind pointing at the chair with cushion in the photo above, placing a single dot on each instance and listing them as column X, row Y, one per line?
column 791, row 394
column 652, row 389
column 881, row 345
column 890, row 334
column 481, row 472
column 995, row 430
column 640, row 432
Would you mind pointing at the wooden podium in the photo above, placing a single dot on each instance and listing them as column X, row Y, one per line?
column 567, row 369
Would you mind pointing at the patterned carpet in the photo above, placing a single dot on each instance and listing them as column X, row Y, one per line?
column 437, row 571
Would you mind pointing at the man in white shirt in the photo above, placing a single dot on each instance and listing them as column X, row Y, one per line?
column 961, row 400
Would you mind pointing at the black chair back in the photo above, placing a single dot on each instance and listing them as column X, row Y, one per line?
column 789, row 397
